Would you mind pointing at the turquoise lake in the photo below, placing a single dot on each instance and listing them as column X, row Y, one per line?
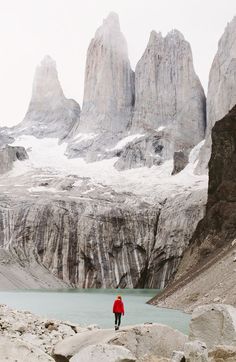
column 94, row 306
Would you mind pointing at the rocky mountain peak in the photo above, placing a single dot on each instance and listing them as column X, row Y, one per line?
column 111, row 22
column 46, row 85
column 175, row 34
column 109, row 81
column 154, row 37
column 110, row 36
column 50, row 113
column 168, row 92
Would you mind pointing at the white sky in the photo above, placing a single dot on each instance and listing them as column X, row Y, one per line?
column 30, row 29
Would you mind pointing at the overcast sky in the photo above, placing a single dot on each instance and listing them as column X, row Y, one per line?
column 30, row 29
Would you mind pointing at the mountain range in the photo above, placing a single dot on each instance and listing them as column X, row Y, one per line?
column 110, row 194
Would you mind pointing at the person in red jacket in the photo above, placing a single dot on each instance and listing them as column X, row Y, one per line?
column 118, row 309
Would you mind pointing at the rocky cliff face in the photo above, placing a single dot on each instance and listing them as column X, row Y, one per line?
column 169, row 103
column 206, row 272
column 217, row 229
column 49, row 114
column 168, row 92
column 221, row 95
column 97, row 243
column 87, row 244
column 109, row 81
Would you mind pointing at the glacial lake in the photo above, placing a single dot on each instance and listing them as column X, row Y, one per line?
column 94, row 306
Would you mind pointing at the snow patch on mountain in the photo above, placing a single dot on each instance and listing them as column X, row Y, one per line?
column 47, row 155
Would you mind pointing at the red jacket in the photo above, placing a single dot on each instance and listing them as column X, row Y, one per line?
column 118, row 307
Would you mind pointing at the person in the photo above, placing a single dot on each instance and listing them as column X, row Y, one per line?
column 118, row 310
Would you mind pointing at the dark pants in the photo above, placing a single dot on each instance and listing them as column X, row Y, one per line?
column 117, row 319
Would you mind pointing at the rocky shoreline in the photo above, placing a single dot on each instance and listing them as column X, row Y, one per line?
column 25, row 337
column 24, row 327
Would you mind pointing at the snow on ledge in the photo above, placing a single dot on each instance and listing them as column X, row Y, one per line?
column 84, row 137
column 125, row 141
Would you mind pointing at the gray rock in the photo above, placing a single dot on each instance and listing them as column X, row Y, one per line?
column 17, row 350
column 71, row 346
column 180, row 161
column 145, row 151
column 105, row 353
column 153, row 148
column 142, row 341
column 121, row 241
column 177, row 222
column 167, row 91
column 196, row 351
column 214, row 324
column 109, row 81
column 8, row 155
column 150, row 340
column 221, row 95
column 178, row 356
column 222, row 354
column 50, row 114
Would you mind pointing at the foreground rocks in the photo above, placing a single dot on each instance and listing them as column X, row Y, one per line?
column 17, row 350
column 215, row 324
column 25, row 337
column 147, row 340
column 31, row 335
column 143, row 341
column 212, row 336
column 222, row 354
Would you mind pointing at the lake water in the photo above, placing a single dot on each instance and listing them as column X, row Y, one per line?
column 94, row 306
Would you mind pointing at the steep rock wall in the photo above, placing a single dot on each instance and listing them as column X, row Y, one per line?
column 84, row 244
column 168, row 92
column 217, row 229
column 221, row 95
column 99, row 242
column 109, row 81
column 212, row 246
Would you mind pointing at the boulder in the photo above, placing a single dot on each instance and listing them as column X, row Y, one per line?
column 222, row 354
column 103, row 352
column 8, row 155
column 178, row 356
column 72, row 345
column 142, row 340
column 180, row 161
column 195, row 351
column 214, row 324
column 150, row 340
column 17, row 350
